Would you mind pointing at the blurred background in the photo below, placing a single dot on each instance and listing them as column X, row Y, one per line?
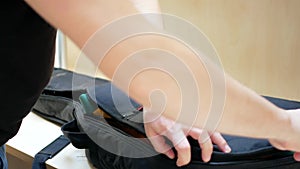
column 258, row 41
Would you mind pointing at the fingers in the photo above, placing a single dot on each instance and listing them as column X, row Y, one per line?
column 204, row 141
column 160, row 127
column 206, row 149
column 181, row 145
column 176, row 133
column 158, row 142
column 184, row 152
column 219, row 140
column 297, row 156
column 278, row 144
column 160, row 146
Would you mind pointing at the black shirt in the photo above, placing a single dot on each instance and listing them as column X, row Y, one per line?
column 27, row 53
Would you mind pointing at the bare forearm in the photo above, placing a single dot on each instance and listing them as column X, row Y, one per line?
column 245, row 112
column 259, row 118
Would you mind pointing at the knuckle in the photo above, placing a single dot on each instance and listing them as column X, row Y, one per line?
column 284, row 145
column 183, row 147
column 223, row 143
column 206, row 146
column 158, row 149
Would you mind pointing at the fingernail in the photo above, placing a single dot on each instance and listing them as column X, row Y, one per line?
column 181, row 162
column 206, row 158
column 227, row 149
column 297, row 156
column 170, row 154
column 178, row 163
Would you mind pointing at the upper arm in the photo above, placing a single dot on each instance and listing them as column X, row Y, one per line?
column 80, row 19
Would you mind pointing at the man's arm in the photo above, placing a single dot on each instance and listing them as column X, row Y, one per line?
column 80, row 20
column 245, row 112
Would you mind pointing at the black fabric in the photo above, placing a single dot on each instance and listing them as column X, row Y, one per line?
column 27, row 55
column 49, row 152
column 246, row 152
column 109, row 97
column 79, row 138
column 56, row 109
column 101, row 158
column 70, row 84
column 61, row 95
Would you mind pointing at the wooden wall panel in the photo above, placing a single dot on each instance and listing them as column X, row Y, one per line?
column 258, row 40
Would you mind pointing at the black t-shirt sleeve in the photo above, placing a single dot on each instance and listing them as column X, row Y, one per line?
column 27, row 56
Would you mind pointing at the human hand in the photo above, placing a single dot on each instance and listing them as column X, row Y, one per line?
column 162, row 127
column 290, row 140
